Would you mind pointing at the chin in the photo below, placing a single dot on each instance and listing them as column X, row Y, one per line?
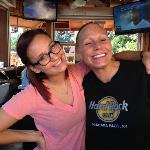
column 98, row 66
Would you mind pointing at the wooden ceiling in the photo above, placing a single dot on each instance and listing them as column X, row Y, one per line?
column 96, row 3
column 16, row 18
column 88, row 3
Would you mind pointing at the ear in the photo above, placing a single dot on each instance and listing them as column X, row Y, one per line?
column 34, row 69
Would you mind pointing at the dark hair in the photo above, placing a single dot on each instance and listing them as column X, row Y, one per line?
column 36, row 79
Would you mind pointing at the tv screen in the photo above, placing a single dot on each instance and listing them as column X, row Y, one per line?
column 40, row 9
column 132, row 17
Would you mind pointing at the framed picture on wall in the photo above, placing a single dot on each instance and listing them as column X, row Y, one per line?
column 70, row 58
column 70, row 53
column 65, row 36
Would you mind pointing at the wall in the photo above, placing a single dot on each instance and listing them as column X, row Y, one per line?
column 145, row 42
column 4, row 35
column 97, row 13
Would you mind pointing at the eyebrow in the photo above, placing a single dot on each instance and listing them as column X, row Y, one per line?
column 40, row 56
column 43, row 53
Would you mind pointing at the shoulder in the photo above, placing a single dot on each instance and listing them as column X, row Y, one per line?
column 79, row 69
column 22, row 104
column 89, row 77
column 76, row 67
column 28, row 90
column 132, row 64
column 27, row 95
column 132, row 67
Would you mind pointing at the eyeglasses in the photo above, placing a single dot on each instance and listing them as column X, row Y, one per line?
column 46, row 58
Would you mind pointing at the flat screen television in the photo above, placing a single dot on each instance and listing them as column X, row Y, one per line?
column 132, row 17
column 40, row 10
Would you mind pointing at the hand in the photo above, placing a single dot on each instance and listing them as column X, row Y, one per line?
column 146, row 61
column 40, row 141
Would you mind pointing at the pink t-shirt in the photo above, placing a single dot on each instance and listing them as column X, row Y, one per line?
column 62, row 125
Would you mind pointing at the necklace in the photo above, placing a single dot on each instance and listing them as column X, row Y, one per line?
column 66, row 85
column 63, row 89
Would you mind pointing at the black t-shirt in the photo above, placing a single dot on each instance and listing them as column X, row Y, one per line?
column 118, row 112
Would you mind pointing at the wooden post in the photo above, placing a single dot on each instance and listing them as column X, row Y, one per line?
column 4, row 36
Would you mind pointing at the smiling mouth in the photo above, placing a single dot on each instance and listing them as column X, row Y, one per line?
column 99, row 55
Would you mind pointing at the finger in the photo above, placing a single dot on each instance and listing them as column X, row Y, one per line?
column 148, row 70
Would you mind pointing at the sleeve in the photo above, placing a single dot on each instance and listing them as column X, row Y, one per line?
column 21, row 104
column 78, row 72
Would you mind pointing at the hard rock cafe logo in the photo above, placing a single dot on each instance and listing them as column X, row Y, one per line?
column 108, row 109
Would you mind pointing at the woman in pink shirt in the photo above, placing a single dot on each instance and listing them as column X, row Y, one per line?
column 54, row 99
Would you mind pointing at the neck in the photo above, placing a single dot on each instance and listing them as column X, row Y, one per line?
column 106, row 73
column 57, row 79
column 60, row 87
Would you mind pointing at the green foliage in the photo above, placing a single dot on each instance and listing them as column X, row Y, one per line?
column 123, row 42
column 13, row 41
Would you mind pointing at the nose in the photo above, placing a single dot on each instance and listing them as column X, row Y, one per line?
column 98, row 46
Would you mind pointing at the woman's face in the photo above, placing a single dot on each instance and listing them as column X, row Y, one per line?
column 46, row 56
column 135, row 16
column 95, row 47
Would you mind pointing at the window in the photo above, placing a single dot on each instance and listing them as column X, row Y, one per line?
column 123, row 42
column 15, row 32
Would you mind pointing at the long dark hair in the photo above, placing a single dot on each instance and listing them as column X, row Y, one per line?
column 36, row 79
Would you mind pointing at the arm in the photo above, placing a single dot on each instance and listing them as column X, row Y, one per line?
column 8, row 136
column 135, row 55
column 146, row 61
column 81, row 69
column 128, row 55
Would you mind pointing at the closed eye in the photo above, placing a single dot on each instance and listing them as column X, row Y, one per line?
column 103, row 40
column 88, row 43
column 43, row 57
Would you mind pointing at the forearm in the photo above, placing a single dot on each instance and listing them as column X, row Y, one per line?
column 14, row 136
column 128, row 55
